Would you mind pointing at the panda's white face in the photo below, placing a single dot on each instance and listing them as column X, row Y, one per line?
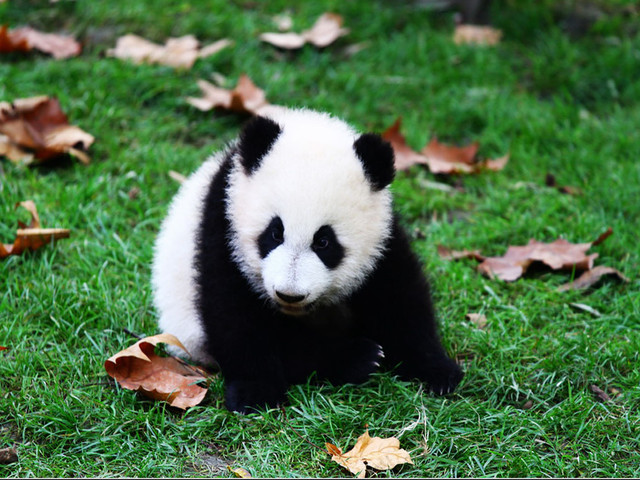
column 307, row 226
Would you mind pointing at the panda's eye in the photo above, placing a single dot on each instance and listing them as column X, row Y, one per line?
column 277, row 235
column 320, row 243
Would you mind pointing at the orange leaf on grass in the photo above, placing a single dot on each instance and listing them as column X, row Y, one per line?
column 161, row 378
column 559, row 255
column 26, row 38
column 32, row 236
column 326, row 30
column 36, row 127
column 375, row 452
column 405, row 156
column 591, row 277
column 476, row 35
column 3, row 348
column 180, row 52
column 246, row 97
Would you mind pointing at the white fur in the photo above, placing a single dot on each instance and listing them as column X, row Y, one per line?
column 173, row 269
column 311, row 177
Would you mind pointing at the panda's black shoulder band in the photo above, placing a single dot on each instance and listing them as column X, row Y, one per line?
column 256, row 139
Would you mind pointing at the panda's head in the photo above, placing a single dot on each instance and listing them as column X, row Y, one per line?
column 309, row 207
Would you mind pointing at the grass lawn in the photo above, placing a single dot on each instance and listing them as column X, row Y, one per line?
column 563, row 100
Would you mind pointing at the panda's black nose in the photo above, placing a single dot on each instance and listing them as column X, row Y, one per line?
column 290, row 298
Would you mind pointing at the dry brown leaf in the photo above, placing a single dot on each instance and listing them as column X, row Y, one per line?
column 376, row 452
column 246, row 97
column 600, row 394
column 448, row 254
column 405, row 156
column 3, row 348
column 38, row 127
column 476, row 35
column 591, row 277
column 8, row 455
column 439, row 157
column 181, row 52
column 239, row 472
column 442, row 158
column 326, row 30
column 161, row 378
column 478, row 319
column 26, row 38
column 31, row 237
column 559, row 255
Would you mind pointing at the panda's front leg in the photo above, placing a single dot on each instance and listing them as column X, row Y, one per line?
column 252, row 369
column 395, row 307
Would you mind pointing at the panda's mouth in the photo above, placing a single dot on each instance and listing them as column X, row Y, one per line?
column 295, row 310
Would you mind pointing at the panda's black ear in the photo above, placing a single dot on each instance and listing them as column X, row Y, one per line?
column 376, row 156
column 256, row 139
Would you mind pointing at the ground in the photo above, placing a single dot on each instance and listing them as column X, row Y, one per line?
column 560, row 93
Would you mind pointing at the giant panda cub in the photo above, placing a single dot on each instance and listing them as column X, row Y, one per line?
column 282, row 256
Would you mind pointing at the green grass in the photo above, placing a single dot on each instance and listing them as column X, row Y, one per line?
column 560, row 103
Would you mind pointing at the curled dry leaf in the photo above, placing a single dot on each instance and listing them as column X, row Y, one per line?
column 31, row 237
column 592, row 277
column 600, row 394
column 476, row 35
column 161, row 378
column 8, row 455
column 559, row 255
column 181, row 52
column 326, row 30
column 37, row 128
column 246, row 97
column 378, row 453
column 239, row 472
column 405, row 156
column 439, row 157
column 25, row 38
column 449, row 254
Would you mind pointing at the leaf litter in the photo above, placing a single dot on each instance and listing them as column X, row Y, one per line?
column 24, row 39
column 35, row 129
column 32, row 236
column 326, row 30
column 167, row 379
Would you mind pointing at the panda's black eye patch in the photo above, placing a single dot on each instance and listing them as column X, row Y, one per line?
column 271, row 237
column 326, row 247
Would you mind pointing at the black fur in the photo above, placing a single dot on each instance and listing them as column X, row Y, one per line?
column 256, row 139
column 327, row 247
column 376, row 156
column 261, row 351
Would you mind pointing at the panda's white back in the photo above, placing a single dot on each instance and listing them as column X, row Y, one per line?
column 173, row 271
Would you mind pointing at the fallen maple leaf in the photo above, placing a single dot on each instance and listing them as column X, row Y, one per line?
column 559, row 255
column 161, row 378
column 449, row 254
column 443, row 158
column 376, row 452
column 439, row 157
column 476, row 35
column 246, row 97
column 36, row 127
column 181, row 52
column 405, row 156
column 591, row 277
column 26, row 38
column 326, row 30
column 31, row 237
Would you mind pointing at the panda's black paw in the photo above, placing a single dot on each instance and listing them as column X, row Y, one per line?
column 247, row 396
column 358, row 358
column 443, row 376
